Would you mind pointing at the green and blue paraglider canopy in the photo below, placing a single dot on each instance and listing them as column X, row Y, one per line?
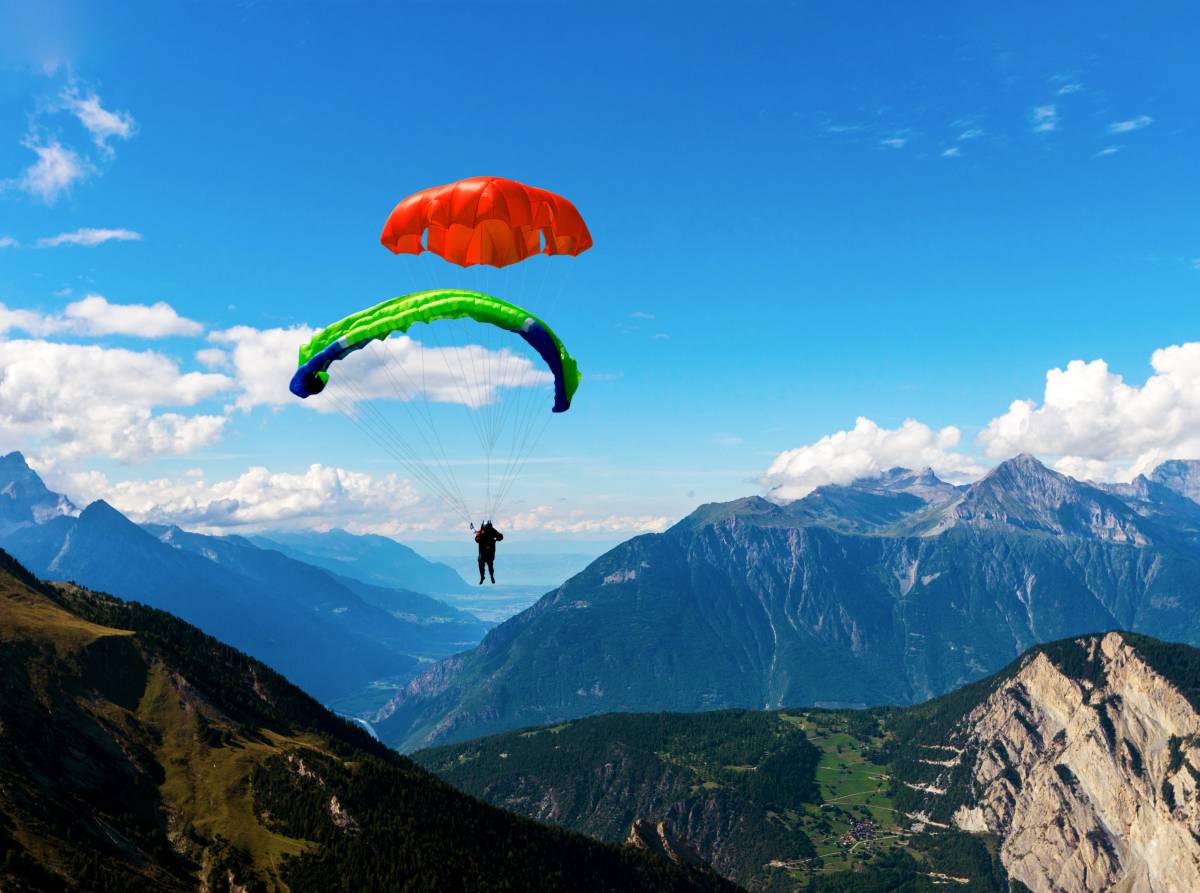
column 506, row 430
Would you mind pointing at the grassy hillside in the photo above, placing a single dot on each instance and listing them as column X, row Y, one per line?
column 138, row 754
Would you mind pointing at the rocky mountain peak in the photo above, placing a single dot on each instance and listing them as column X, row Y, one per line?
column 1023, row 470
column 24, row 497
column 1180, row 475
column 923, row 483
column 101, row 520
column 1023, row 493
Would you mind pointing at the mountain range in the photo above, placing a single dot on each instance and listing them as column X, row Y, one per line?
column 139, row 754
column 889, row 590
column 1075, row 769
column 373, row 559
column 334, row 635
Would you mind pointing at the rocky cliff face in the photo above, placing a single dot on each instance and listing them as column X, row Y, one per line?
column 1086, row 768
column 656, row 838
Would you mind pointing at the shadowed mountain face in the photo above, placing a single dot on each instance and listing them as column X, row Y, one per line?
column 887, row 591
column 333, row 636
column 138, row 754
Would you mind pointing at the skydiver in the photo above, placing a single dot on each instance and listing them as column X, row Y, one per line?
column 487, row 536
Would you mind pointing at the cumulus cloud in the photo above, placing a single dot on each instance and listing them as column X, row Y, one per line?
column 101, row 123
column 865, row 451
column 1098, row 424
column 52, row 175
column 29, row 321
column 552, row 520
column 1132, row 124
column 72, row 401
column 8, row 242
column 90, row 237
column 264, row 360
column 94, row 315
column 1044, row 118
column 319, row 497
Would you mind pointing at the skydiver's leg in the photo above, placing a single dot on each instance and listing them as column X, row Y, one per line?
column 480, row 571
column 492, row 570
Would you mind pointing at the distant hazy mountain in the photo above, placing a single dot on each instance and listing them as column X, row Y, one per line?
column 332, row 636
column 427, row 628
column 1080, row 760
column 370, row 558
column 886, row 591
column 138, row 755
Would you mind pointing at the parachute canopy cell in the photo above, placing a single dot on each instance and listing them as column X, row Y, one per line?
column 397, row 314
column 486, row 220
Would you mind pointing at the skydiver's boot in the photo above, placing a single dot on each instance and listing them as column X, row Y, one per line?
column 493, row 579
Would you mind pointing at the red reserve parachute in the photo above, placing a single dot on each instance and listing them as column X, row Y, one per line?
column 486, row 220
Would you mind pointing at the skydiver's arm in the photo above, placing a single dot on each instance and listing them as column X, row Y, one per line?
column 499, row 536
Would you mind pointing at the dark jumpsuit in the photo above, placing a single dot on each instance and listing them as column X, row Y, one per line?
column 487, row 537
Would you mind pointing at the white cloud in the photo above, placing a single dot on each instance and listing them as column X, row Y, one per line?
column 864, row 451
column 1044, row 118
column 264, row 361
column 553, row 520
column 29, row 321
column 1068, row 88
column 1093, row 421
column 71, row 401
column 57, row 168
column 1196, row 263
column 8, row 242
column 1106, row 151
column 94, row 315
column 319, row 497
column 101, row 123
column 213, row 358
column 1132, row 124
column 641, row 314
column 952, row 152
column 894, row 142
column 971, row 133
column 90, row 237
column 726, row 440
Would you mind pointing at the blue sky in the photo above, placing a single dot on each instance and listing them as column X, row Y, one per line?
column 803, row 215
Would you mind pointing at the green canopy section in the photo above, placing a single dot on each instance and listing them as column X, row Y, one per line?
column 399, row 314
